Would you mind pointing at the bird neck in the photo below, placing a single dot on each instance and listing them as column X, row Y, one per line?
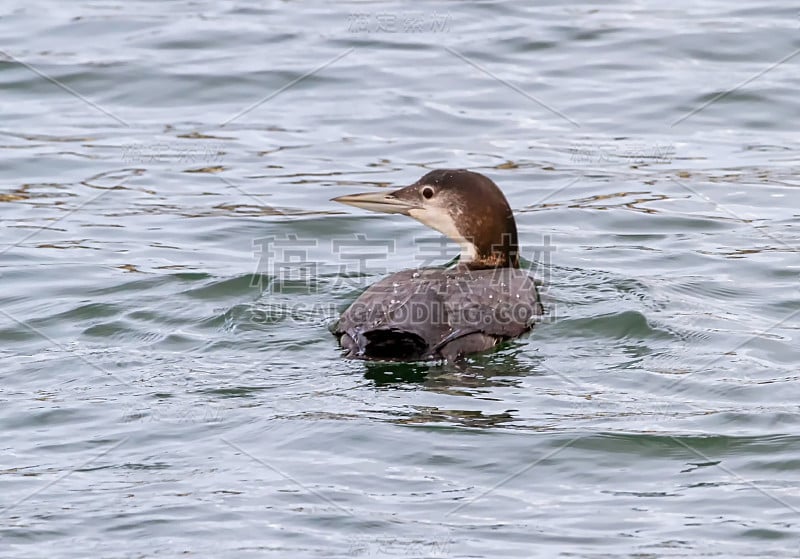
column 502, row 252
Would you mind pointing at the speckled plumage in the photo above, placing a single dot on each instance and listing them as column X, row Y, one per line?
column 439, row 313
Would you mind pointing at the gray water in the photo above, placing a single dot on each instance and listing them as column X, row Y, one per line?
column 171, row 264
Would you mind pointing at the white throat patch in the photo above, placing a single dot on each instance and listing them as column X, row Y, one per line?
column 438, row 218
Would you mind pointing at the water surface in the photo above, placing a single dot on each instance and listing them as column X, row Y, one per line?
column 171, row 265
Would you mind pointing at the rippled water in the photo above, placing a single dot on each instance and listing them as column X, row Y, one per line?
column 171, row 265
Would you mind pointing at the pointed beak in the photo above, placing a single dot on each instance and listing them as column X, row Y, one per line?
column 383, row 202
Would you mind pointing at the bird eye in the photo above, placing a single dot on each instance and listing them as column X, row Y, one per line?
column 427, row 192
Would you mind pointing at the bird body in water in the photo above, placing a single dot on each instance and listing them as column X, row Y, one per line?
column 445, row 313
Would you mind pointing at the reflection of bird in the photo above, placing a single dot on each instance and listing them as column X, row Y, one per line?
column 445, row 313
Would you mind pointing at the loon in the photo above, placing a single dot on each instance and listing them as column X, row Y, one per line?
column 444, row 313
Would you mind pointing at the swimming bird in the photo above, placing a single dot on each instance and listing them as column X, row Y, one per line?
column 445, row 313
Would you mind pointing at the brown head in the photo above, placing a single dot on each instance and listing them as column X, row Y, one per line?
column 467, row 207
